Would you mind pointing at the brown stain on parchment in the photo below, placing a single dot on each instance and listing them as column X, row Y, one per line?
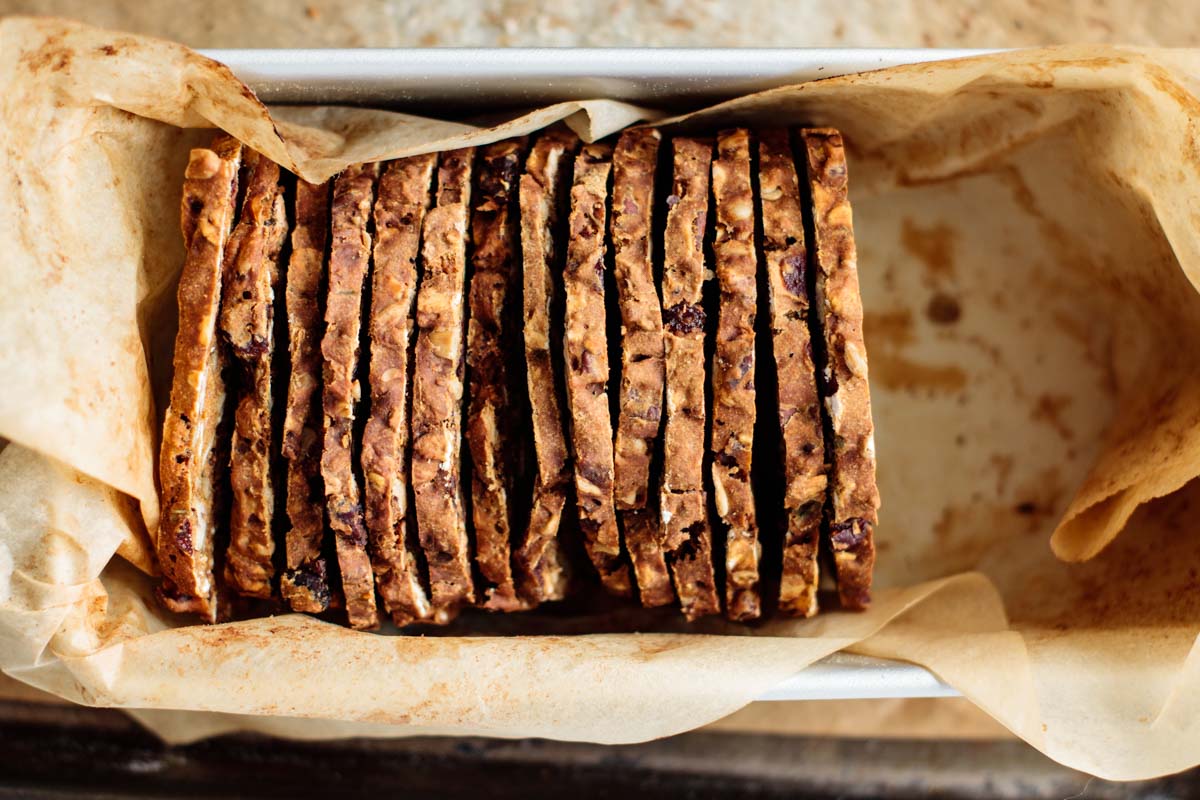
column 889, row 332
column 1049, row 409
column 894, row 371
column 1003, row 465
column 932, row 246
column 891, row 328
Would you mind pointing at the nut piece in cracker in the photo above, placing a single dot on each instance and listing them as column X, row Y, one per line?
column 493, row 333
column 539, row 559
column 733, row 372
column 683, row 500
column 187, row 470
column 400, row 205
column 802, row 436
column 640, row 397
column 585, row 352
column 305, row 583
column 854, row 497
column 350, row 256
column 438, row 389
column 248, row 322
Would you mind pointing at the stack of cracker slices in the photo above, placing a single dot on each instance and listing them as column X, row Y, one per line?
column 513, row 375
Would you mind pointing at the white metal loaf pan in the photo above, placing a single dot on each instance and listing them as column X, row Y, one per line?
column 430, row 80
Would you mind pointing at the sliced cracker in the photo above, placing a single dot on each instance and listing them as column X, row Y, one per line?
column 688, row 538
column 305, row 582
column 683, row 499
column 640, row 396
column 733, row 371
column 492, row 333
column 403, row 197
column 187, row 472
column 248, row 322
column 349, row 261
column 539, row 560
column 641, row 391
column 854, row 496
column 801, row 435
column 438, row 389
column 585, row 352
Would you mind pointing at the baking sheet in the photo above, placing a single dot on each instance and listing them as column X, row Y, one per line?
column 1028, row 219
column 454, row 78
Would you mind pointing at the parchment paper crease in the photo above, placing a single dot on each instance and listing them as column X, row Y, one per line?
column 1029, row 254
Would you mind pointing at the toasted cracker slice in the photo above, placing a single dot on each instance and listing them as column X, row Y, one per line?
column 733, row 372
column 305, row 583
column 247, row 321
column 642, row 528
column 802, row 436
column 404, row 196
column 349, row 260
column 492, row 333
column 854, row 495
column 640, row 398
column 585, row 351
column 688, row 536
column 539, row 560
column 438, row 389
column 187, row 472
column 683, row 499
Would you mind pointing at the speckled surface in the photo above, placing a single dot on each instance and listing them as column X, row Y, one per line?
column 695, row 23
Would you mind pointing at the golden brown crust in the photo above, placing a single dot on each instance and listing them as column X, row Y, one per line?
column 688, row 537
column 186, row 468
column 641, row 391
column 402, row 200
column 438, row 389
column 733, row 371
column 350, row 254
column 247, row 322
column 802, row 437
column 854, row 495
column 305, row 584
column 492, row 333
column 539, row 559
column 683, row 502
column 586, row 355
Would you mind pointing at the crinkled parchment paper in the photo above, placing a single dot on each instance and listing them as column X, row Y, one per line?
column 1029, row 255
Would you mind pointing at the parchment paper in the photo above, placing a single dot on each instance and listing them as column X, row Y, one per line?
column 1029, row 259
